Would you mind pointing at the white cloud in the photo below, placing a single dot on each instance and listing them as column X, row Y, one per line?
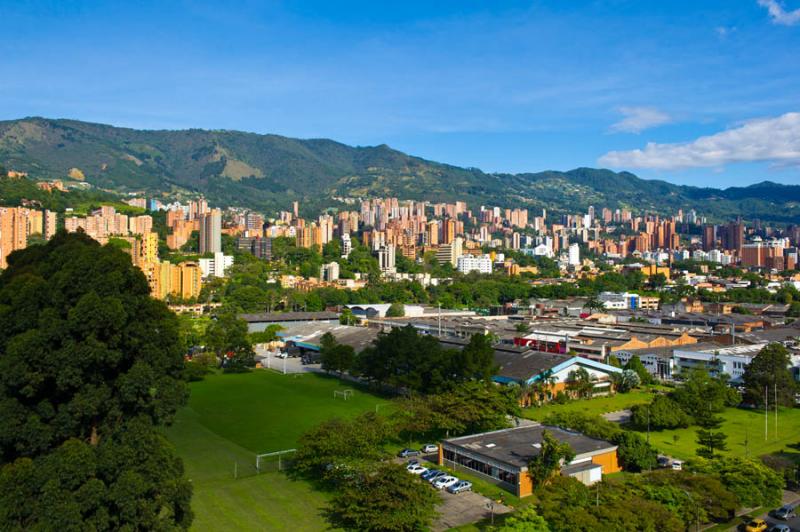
column 775, row 140
column 637, row 119
column 778, row 14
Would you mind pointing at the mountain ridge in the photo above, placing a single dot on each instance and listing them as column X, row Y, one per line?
column 268, row 171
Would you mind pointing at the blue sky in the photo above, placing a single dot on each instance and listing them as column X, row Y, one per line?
column 703, row 93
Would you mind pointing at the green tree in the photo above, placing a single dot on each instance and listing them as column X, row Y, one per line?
column 580, row 382
column 710, row 438
column 661, row 413
column 525, row 520
column 635, row 454
column 335, row 449
column 548, row 461
column 335, row 356
column 635, row 364
column 396, row 310
column 91, row 367
column 625, row 381
column 769, row 370
column 522, row 327
column 753, row 483
column 476, row 360
column 269, row 334
column 227, row 337
column 594, row 305
column 384, row 499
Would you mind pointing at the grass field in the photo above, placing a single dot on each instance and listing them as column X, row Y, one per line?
column 231, row 418
column 740, row 425
column 597, row 405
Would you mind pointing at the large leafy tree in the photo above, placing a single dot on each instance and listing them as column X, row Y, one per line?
column 384, row 499
column 417, row 363
column 90, row 366
column 770, row 370
column 227, row 336
column 336, row 448
column 552, row 454
column 465, row 409
column 335, row 356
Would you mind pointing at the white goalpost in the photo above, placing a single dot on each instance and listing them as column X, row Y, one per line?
column 344, row 394
column 264, row 457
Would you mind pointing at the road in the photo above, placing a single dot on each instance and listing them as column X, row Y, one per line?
column 794, row 523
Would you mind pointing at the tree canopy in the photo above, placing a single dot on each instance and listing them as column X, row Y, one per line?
column 770, row 370
column 90, row 366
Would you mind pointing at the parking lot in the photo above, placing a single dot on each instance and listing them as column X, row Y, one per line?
column 462, row 508
column 285, row 365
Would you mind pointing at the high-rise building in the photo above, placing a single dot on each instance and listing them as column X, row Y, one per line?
column 386, row 258
column 347, row 245
column 13, row 232
column 49, row 224
column 211, row 232
column 574, row 255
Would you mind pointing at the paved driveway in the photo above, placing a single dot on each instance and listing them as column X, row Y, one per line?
column 464, row 508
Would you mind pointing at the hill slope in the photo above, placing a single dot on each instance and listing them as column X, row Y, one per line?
column 269, row 171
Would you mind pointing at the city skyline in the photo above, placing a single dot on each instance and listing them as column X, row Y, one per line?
column 526, row 87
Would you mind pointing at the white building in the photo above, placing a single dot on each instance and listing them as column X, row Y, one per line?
column 617, row 301
column 329, row 272
column 574, row 255
column 217, row 266
column 386, row 258
column 347, row 245
column 471, row 263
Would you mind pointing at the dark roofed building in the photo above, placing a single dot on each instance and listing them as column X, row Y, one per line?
column 502, row 456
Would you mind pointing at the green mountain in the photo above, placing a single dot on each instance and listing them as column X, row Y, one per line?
column 267, row 172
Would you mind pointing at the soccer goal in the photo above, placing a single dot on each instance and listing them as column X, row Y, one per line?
column 273, row 461
column 344, row 394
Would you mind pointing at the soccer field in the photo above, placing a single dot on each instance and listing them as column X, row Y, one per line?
column 231, row 418
column 745, row 430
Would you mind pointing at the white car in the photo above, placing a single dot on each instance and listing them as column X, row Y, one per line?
column 416, row 469
column 444, row 482
column 430, row 448
column 677, row 465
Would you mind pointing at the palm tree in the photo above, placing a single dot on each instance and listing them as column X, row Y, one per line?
column 593, row 304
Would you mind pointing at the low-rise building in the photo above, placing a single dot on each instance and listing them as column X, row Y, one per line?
column 502, row 456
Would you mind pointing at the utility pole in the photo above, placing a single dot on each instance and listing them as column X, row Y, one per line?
column 766, row 411
column 775, row 388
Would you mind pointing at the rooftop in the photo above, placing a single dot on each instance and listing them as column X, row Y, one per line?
column 278, row 317
column 516, row 446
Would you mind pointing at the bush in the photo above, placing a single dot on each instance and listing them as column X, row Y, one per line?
column 663, row 413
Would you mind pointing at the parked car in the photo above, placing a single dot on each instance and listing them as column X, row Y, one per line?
column 756, row 525
column 416, row 469
column 430, row 448
column 437, row 476
column 430, row 473
column 784, row 513
column 405, row 453
column 780, row 527
column 663, row 461
column 677, row 465
column 444, row 482
column 461, row 485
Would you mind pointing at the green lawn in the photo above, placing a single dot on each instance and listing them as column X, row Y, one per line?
column 229, row 419
column 597, row 405
column 740, row 425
